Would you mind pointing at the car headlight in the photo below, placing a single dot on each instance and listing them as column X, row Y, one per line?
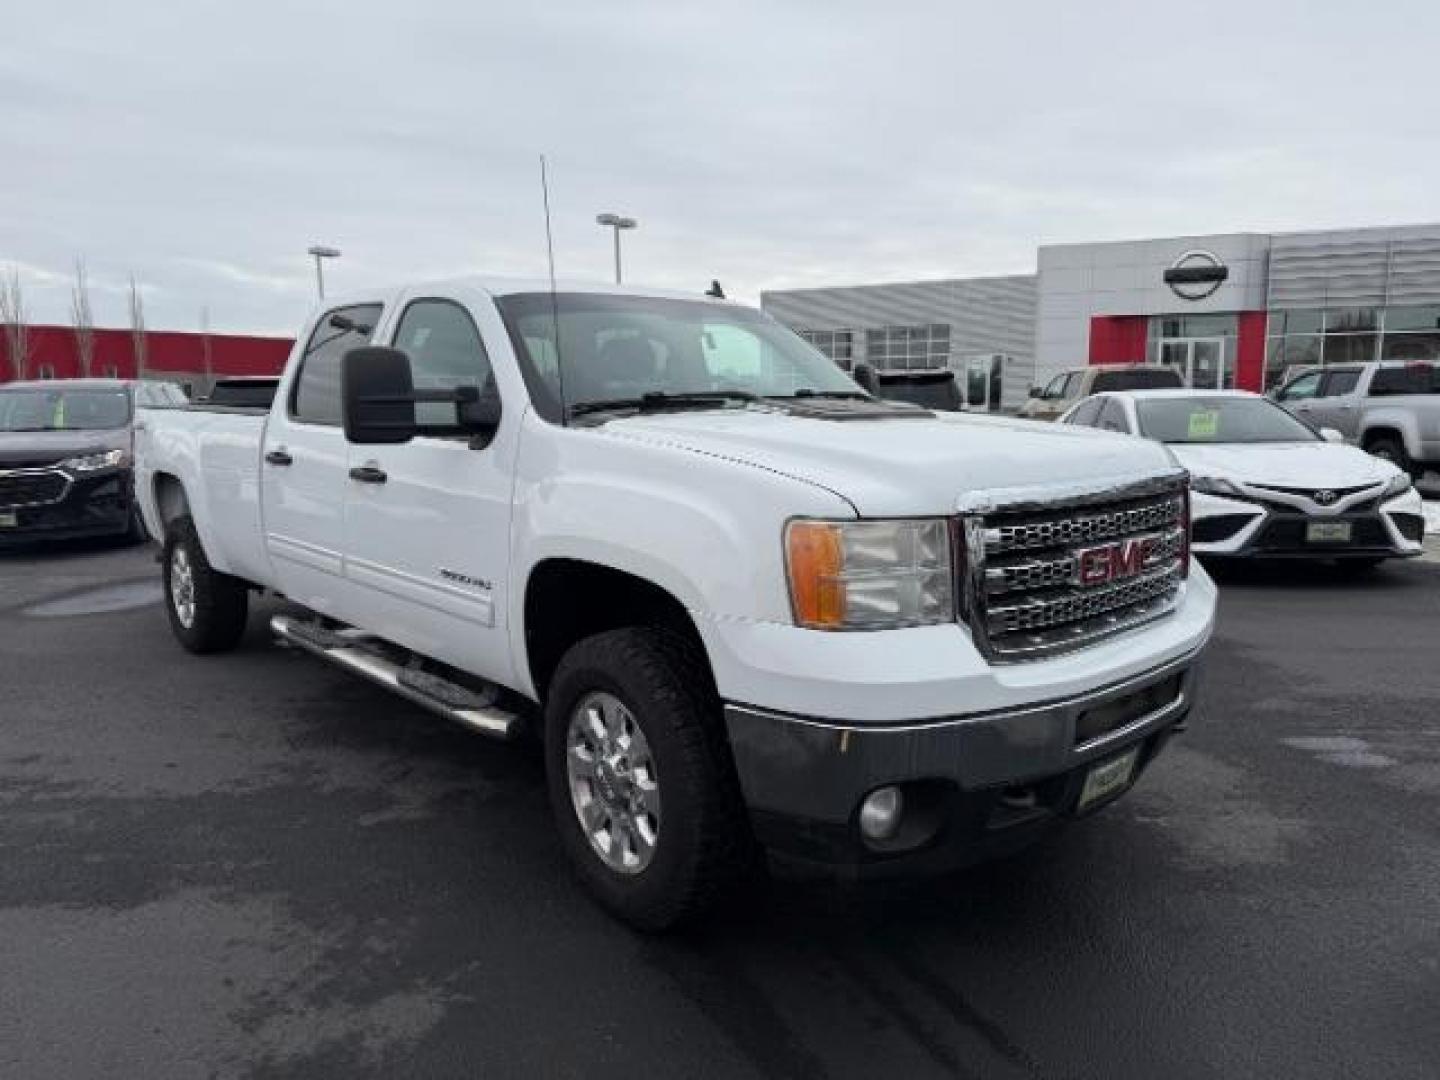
column 110, row 459
column 1398, row 485
column 870, row 575
column 1215, row 485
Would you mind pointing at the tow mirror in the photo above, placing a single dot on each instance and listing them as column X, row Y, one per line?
column 865, row 375
column 378, row 399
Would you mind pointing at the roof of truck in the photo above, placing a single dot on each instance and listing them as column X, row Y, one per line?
column 510, row 286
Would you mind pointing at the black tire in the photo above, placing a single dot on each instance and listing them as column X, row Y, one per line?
column 703, row 846
column 1393, row 450
column 219, row 605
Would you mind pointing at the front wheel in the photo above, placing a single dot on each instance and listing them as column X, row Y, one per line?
column 640, row 780
column 208, row 610
column 1393, row 451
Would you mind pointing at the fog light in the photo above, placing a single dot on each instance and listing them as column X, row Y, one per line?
column 880, row 813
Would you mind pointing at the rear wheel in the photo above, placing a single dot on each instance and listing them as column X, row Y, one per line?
column 208, row 610
column 640, row 780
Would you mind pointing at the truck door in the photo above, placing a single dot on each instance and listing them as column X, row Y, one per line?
column 428, row 522
column 1336, row 404
column 303, row 465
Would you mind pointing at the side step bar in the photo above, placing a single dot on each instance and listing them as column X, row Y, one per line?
column 347, row 648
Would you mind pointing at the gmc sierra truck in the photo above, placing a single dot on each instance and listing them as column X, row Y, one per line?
column 745, row 606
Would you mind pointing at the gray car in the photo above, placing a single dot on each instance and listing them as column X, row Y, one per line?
column 1390, row 409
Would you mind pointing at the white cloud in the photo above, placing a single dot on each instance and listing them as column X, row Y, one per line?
column 204, row 146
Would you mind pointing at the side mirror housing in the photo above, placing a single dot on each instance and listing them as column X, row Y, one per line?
column 378, row 399
column 1036, row 391
column 865, row 375
column 1329, row 434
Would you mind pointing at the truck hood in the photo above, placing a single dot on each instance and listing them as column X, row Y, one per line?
column 22, row 449
column 1300, row 465
column 903, row 467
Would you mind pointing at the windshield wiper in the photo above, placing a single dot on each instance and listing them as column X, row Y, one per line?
column 836, row 395
column 658, row 400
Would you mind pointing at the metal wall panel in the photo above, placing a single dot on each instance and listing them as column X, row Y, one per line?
column 1355, row 268
column 985, row 315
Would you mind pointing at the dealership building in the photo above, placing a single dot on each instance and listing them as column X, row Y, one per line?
column 1229, row 310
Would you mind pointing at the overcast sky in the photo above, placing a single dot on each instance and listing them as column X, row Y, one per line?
column 203, row 146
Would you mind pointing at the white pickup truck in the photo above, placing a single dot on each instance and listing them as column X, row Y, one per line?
column 745, row 606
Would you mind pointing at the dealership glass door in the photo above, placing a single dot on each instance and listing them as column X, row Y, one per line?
column 1203, row 363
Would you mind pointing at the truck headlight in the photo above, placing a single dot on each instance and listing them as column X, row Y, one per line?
column 110, row 459
column 870, row 575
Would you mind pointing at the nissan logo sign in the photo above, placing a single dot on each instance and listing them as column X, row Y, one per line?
column 1196, row 275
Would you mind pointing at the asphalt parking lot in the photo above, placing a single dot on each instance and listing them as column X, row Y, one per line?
column 258, row 866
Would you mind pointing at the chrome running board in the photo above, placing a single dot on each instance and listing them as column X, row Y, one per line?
column 357, row 651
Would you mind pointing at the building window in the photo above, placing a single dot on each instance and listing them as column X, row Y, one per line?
column 838, row 345
column 926, row 346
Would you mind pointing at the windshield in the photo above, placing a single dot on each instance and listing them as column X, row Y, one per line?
column 63, row 410
column 621, row 348
column 1219, row 420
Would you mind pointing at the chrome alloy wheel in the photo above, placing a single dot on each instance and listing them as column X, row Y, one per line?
column 612, row 782
column 182, row 586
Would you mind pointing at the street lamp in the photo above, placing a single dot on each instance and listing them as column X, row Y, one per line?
column 616, row 222
column 321, row 253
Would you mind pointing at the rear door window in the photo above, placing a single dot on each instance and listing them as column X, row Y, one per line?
column 316, row 396
column 1139, row 379
column 1410, row 379
column 1112, row 417
column 1339, row 383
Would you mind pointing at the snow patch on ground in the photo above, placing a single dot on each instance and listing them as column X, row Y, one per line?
column 1432, row 516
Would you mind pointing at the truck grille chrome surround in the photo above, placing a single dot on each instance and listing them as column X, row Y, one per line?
column 1043, row 573
column 20, row 488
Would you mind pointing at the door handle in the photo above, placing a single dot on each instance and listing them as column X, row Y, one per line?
column 279, row 457
column 368, row 474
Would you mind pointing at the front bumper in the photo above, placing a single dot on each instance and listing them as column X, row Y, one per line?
column 81, row 505
column 1236, row 528
column 978, row 785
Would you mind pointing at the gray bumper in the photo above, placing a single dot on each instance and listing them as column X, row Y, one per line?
column 804, row 778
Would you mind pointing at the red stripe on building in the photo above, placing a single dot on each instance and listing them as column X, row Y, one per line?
column 167, row 353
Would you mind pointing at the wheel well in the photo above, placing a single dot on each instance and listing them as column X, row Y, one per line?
column 170, row 500
column 1375, row 434
column 567, row 600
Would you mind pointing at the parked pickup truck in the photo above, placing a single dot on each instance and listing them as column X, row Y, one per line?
column 744, row 605
column 1390, row 409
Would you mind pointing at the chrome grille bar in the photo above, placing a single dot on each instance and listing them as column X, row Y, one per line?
column 1040, row 578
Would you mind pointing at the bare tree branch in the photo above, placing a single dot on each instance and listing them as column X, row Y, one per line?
column 137, row 327
column 83, row 320
column 16, row 322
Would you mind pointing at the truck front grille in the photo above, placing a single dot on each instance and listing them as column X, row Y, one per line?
column 38, row 487
column 1044, row 577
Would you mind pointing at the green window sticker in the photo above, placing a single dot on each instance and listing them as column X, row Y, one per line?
column 1204, row 424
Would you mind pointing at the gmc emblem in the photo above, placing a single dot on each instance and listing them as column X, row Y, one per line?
column 1114, row 562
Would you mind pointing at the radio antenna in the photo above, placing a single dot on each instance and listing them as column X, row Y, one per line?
column 554, row 300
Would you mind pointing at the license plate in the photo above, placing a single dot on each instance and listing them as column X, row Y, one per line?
column 8, row 521
column 1109, row 777
column 1327, row 532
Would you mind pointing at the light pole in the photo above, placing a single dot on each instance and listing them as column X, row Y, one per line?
column 616, row 222
column 321, row 253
